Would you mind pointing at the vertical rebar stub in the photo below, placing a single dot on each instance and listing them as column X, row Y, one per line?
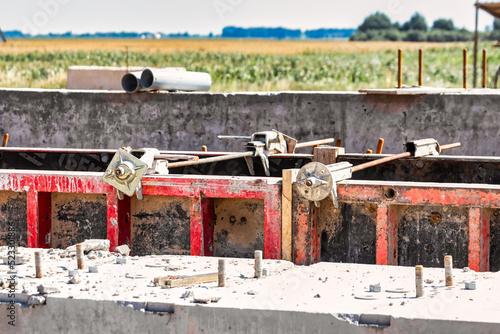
column 79, row 256
column 222, row 273
column 419, row 280
column 258, row 264
column 38, row 264
column 448, row 266
column 400, row 68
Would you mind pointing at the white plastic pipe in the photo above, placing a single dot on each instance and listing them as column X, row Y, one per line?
column 173, row 80
column 131, row 82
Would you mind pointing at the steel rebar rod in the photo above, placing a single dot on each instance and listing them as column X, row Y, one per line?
column 210, row 160
column 395, row 157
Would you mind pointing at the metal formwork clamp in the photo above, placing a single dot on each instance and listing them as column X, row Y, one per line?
column 125, row 171
column 316, row 181
column 264, row 144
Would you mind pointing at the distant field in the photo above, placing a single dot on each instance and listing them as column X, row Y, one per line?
column 206, row 45
column 244, row 65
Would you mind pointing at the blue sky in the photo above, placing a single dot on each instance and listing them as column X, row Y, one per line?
column 205, row 16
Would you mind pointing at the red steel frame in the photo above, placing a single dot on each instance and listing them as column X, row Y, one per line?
column 478, row 198
column 200, row 189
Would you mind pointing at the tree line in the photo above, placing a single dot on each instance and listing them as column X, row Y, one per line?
column 378, row 27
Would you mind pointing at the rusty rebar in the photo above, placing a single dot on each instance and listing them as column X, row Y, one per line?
column 419, row 280
column 380, row 145
column 395, row 157
column 448, row 267
column 38, row 264
column 210, row 160
column 315, row 142
column 400, row 68
column 258, row 263
column 420, row 67
column 79, row 256
column 222, row 273
column 465, row 68
column 5, row 140
column 485, row 69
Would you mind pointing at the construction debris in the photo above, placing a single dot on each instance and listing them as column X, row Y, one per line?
column 179, row 281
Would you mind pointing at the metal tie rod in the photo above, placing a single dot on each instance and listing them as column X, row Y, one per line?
column 317, row 181
column 241, row 155
column 396, row 157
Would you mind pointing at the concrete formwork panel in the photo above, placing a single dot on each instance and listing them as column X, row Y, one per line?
column 494, row 230
column 238, row 227
column 160, row 225
column 427, row 233
column 348, row 233
column 13, row 213
column 77, row 217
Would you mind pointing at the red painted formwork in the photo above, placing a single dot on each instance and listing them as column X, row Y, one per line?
column 200, row 189
column 387, row 196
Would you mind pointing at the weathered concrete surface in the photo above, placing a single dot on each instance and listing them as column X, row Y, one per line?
column 186, row 121
column 322, row 298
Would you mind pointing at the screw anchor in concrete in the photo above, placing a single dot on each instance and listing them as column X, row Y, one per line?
column 258, row 264
column 79, row 256
column 38, row 264
column 419, row 280
column 222, row 273
column 448, row 266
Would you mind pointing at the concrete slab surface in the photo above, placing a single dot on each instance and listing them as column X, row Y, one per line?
column 325, row 297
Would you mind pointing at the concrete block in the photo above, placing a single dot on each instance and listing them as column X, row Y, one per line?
column 124, row 250
column 74, row 272
column 45, row 290
column 92, row 244
column 36, row 300
column 121, row 260
column 93, row 269
column 375, row 287
column 470, row 285
column 75, row 280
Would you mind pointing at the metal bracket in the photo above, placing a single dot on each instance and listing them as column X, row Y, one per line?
column 317, row 181
column 125, row 173
column 264, row 144
column 423, row 147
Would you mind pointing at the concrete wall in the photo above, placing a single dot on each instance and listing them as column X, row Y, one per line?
column 186, row 121
column 62, row 315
